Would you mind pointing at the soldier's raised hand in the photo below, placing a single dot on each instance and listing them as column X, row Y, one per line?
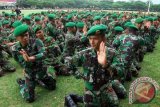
column 101, row 55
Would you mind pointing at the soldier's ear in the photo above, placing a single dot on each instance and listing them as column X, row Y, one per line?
column 104, row 39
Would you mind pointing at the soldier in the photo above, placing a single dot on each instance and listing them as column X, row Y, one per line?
column 71, row 41
column 81, row 35
column 100, row 89
column 97, row 20
column 51, row 27
column 141, row 51
column 5, row 65
column 30, row 53
column 53, row 54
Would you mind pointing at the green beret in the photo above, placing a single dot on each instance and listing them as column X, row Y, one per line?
column 27, row 18
column 114, row 15
column 70, row 24
column 118, row 28
column 139, row 20
column 20, row 30
column 37, row 18
column 16, row 23
column 132, row 26
column 12, row 14
column 5, row 22
column 36, row 28
column 97, row 29
column 155, row 18
column 69, row 17
column 97, row 18
column 149, row 19
column 127, row 24
column 51, row 16
column 6, row 14
column 80, row 25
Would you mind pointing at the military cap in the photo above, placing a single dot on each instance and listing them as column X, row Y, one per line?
column 97, row 18
column 139, row 20
column 12, row 14
column 118, row 28
column 36, row 28
column 80, row 24
column 69, row 17
column 6, row 14
column 70, row 24
column 114, row 15
column 5, row 22
column 16, row 24
column 132, row 26
column 27, row 18
column 37, row 18
column 51, row 16
column 155, row 18
column 127, row 24
column 97, row 29
column 20, row 30
column 149, row 19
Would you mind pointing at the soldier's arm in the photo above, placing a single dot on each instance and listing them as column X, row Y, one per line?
column 40, row 48
column 73, row 63
column 116, row 42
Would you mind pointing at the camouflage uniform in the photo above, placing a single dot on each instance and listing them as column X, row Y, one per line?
column 99, row 86
column 5, row 65
column 34, row 71
column 70, row 44
column 53, row 59
column 126, row 45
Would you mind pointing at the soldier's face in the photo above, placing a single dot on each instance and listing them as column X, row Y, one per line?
column 95, row 41
column 126, row 31
column 97, row 22
column 139, row 25
column 40, row 34
column 23, row 39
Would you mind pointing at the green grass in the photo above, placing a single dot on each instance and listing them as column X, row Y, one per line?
column 10, row 96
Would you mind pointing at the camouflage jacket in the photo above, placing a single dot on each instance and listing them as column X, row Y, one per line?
column 35, row 48
column 93, row 74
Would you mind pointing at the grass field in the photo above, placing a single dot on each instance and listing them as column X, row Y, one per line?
column 10, row 96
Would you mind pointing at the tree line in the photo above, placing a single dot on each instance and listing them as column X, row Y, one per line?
column 92, row 4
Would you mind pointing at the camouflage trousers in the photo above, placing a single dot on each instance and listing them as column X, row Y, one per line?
column 106, row 96
column 27, row 87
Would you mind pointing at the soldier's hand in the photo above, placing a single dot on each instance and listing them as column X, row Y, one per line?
column 24, row 54
column 85, row 30
column 101, row 55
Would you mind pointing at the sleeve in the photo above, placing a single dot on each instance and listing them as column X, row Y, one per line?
column 74, row 62
column 116, row 65
column 16, row 55
column 116, row 42
column 40, row 48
